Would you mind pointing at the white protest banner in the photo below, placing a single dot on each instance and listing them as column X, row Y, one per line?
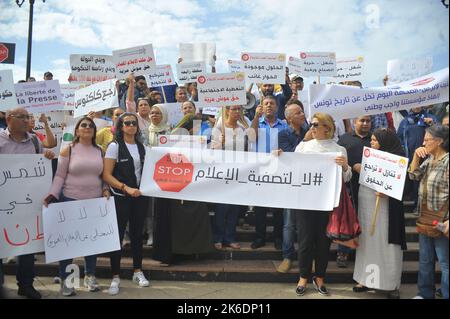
column 174, row 113
column 7, row 91
column 24, row 182
column 182, row 141
column 221, row 89
column 292, row 180
column 101, row 123
column 68, row 94
column 266, row 68
column 135, row 60
column 235, row 66
column 209, row 110
column 91, row 68
column 189, row 72
column 350, row 69
column 191, row 52
column 80, row 228
column 55, row 122
column 345, row 102
column 318, row 63
column 401, row 70
column 96, row 97
column 39, row 97
column 295, row 65
column 159, row 75
column 383, row 172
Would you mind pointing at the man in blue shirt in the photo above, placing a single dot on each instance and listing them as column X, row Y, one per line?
column 268, row 128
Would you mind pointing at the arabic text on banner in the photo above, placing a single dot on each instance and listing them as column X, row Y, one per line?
column 136, row 60
column 7, row 91
column 91, row 68
column 96, row 97
column 264, row 67
column 221, row 89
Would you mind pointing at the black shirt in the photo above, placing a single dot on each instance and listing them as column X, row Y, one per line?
column 354, row 145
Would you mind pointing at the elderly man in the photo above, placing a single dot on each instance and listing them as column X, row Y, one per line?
column 288, row 140
column 15, row 139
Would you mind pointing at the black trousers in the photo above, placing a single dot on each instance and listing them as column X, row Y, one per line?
column 313, row 244
column 133, row 210
column 261, row 223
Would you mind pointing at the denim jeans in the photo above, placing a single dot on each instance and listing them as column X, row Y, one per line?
column 288, row 234
column 428, row 247
column 90, row 262
column 225, row 222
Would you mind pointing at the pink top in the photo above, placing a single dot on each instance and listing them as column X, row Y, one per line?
column 79, row 176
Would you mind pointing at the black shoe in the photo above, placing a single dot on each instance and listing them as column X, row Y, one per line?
column 257, row 244
column 278, row 244
column 300, row 290
column 322, row 289
column 362, row 289
column 29, row 292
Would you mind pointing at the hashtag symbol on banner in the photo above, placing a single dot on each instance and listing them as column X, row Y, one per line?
column 317, row 179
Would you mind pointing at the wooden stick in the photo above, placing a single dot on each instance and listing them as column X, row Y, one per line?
column 318, row 79
column 375, row 214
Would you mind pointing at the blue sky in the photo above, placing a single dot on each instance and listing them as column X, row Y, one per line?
column 378, row 30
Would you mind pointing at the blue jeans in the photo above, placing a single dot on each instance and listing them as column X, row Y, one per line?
column 428, row 247
column 288, row 234
column 225, row 222
column 90, row 262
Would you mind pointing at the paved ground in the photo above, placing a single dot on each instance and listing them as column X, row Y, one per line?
column 202, row 290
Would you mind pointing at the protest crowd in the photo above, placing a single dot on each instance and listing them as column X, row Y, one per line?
column 106, row 141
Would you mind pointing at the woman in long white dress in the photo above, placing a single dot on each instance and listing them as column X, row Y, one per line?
column 379, row 257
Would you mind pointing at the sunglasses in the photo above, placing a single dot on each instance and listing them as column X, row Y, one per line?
column 130, row 123
column 23, row 117
column 87, row 125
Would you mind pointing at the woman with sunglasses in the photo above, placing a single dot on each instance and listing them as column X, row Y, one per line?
column 123, row 164
column 314, row 245
column 384, row 247
column 78, row 177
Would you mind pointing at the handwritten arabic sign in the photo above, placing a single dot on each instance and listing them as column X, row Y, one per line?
column 80, row 228
column 293, row 180
column 221, row 89
column 383, row 172
column 264, row 67
column 24, row 182
column 350, row 69
column 343, row 102
column 191, row 52
column 91, row 68
column 407, row 69
column 137, row 60
column 55, row 122
column 160, row 75
column 235, row 66
column 95, row 97
column 68, row 94
column 39, row 97
column 189, row 72
column 7, row 91
column 318, row 63
column 180, row 141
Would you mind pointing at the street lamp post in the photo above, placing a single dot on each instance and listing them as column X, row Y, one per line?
column 30, row 34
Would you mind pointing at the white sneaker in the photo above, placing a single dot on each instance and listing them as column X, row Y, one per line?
column 90, row 282
column 150, row 241
column 114, row 288
column 140, row 279
column 417, row 297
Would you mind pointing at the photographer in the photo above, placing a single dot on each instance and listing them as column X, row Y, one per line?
column 411, row 132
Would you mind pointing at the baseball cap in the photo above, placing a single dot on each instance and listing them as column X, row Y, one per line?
column 294, row 77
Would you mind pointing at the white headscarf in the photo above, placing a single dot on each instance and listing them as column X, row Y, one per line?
column 156, row 130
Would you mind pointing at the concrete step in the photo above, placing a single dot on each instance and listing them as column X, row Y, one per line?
column 269, row 252
column 217, row 270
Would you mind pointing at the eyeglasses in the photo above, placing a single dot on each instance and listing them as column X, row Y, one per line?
column 24, row 117
column 130, row 123
column 87, row 125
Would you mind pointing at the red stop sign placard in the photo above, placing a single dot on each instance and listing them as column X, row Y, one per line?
column 173, row 172
column 3, row 52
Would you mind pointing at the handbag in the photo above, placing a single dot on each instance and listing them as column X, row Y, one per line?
column 343, row 225
column 424, row 224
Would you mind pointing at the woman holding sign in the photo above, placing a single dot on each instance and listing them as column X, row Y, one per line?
column 80, row 166
column 433, row 175
column 314, row 245
column 123, row 163
column 379, row 257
